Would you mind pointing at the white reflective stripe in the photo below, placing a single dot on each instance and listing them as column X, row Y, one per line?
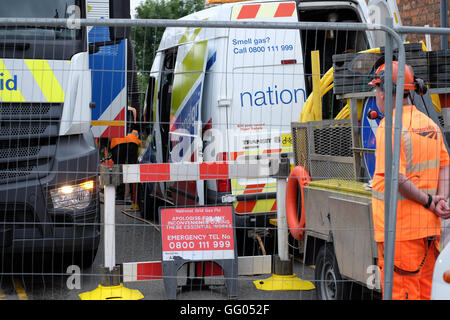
column 408, row 151
column 247, row 266
column 430, row 164
column 184, row 171
column 131, row 173
column 379, row 195
column 129, row 272
column 252, row 265
column 255, row 169
column 188, row 171
column 420, row 166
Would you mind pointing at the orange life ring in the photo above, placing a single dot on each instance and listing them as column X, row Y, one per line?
column 298, row 177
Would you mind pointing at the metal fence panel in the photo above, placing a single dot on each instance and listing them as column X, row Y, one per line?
column 212, row 92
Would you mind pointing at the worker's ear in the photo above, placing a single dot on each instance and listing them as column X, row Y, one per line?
column 381, row 94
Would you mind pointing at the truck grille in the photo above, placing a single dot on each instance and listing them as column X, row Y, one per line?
column 28, row 136
column 19, row 152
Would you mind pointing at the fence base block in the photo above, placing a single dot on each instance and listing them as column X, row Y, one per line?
column 111, row 293
column 283, row 278
column 283, row 283
column 111, row 288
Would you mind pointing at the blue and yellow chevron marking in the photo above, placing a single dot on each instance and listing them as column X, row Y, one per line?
column 46, row 80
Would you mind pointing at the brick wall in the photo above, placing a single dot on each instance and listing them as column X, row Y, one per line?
column 420, row 13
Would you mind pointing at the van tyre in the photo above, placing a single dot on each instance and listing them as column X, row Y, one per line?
column 329, row 282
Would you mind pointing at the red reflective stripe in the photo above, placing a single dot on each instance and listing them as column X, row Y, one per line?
column 245, row 206
column 215, row 170
column 289, row 61
column 272, row 151
column 249, row 11
column 149, row 271
column 155, row 172
column 208, row 125
column 254, row 188
column 285, row 10
column 235, row 155
column 210, row 269
column 115, row 131
column 274, row 207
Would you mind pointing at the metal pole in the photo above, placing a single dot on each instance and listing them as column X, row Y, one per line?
column 422, row 30
column 282, row 227
column 388, row 273
column 444, row 24
column 109, row 234
column 390, row 224
column 344, row 26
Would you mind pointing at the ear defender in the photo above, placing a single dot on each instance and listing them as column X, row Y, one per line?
column 420, row 87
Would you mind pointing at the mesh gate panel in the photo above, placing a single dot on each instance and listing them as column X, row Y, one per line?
column 324, row 149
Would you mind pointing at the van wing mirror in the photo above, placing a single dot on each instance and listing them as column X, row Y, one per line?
column 119, row 9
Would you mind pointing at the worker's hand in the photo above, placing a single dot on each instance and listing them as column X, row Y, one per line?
column 435, row 200
column 442, row 209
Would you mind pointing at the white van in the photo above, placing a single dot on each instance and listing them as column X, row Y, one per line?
column 228, row 94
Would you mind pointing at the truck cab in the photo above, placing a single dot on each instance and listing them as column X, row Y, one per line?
column 49, row 198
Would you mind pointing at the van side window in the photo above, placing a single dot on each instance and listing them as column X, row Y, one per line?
column 147, row 119
column 165, row 98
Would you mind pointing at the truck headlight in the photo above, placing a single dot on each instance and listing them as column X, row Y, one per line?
column 72, row 196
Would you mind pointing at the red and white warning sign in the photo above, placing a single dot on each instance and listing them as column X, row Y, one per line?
column 197, row 233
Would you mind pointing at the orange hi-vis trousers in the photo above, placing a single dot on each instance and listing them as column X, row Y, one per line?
column 409, row 256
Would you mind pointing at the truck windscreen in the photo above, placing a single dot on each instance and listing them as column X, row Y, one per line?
column 28, row 41
column 62, row 9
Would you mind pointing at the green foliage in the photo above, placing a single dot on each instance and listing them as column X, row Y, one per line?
column 146, row 40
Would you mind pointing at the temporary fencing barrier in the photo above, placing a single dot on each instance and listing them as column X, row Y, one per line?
column 138, row 173
column 227, row 182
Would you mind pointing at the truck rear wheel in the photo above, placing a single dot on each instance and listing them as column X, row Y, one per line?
column 329, row 282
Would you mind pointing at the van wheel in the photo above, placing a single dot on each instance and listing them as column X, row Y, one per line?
column 329, row 282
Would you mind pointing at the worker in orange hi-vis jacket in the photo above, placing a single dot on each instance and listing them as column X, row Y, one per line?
column 423, row 190
column 124, row 150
